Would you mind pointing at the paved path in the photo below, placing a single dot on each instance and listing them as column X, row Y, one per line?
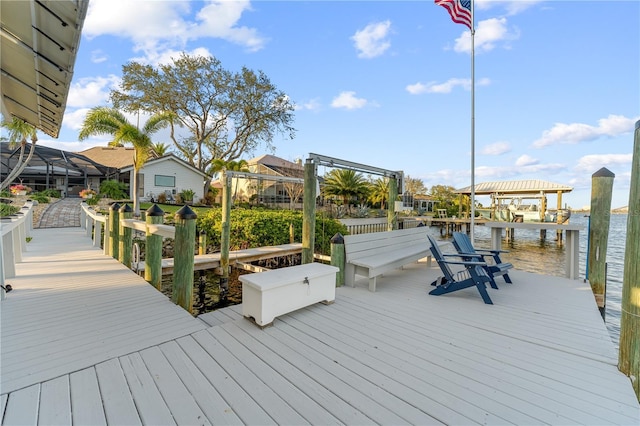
column 63, row 214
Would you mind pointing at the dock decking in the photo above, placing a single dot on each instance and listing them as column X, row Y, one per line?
column 540, row 355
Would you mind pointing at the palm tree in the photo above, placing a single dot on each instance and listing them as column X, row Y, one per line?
column 219, row 165
column 160, row 148
column 19, row 131
column 379, row 191
column 346, row 184
column 110, row 121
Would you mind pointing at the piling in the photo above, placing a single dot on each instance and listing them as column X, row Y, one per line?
column 114, row 229
column 338, row 257
column 225, row 232
column 601, row 193
column 183, row 258
column 392, row 218
column 126, row 236
column 153, row 253
column 309, row 211
column 629, row 355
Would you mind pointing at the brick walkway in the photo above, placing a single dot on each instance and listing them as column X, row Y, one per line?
column 63, row 214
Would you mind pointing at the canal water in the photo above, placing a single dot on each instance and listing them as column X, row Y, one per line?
column 529, row 253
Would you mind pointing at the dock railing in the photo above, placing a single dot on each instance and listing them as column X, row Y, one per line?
column 378, row 224
column 16, row 228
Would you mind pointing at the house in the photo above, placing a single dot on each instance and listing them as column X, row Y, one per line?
column 169, row 175
column 269, row 191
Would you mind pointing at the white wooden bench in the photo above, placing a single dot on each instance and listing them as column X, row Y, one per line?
column 373, row 254
column 266, row 295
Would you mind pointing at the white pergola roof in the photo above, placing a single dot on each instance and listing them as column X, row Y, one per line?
column 40, row 40
column 517, row 187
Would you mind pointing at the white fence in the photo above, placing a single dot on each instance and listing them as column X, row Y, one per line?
column 15, row 231
column 379, row 224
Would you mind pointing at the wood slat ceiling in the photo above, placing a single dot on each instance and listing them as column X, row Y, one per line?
column 40, row 40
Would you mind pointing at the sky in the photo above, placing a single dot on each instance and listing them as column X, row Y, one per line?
column 388, row 83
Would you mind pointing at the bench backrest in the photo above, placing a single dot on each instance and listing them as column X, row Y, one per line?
column 363, row 245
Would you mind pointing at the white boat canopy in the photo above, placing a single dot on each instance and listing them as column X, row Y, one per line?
column 516, row 188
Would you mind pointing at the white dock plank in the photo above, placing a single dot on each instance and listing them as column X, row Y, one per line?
column 277, row 408
column 86, row 399
column 151, row 407
column 22, row 407
column 118, row 404
column 55, row 402
column 240, row 401
column 176, row 396
column 299, row 401
column 217, row 410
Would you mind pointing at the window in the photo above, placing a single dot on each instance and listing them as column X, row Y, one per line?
column 161, row 180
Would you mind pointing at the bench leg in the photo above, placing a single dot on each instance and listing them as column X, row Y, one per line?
column 350, row 275
column 372, row 284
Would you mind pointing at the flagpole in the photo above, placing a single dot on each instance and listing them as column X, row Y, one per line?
column 473, row 128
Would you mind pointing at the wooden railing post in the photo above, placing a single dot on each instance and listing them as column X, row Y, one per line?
column 601, row 191
column 185, row 223
column 629, row 356
column 338, row 257
column 126, row 236
column 153, row 252
column 114, row 229
column 309, row 212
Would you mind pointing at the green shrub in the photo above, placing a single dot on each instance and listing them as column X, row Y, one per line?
column 8, row 209
column 93, row 201
column 5, row 193
column 40, row 197
column 53, row 193
column 113, row 189
column 259, row 228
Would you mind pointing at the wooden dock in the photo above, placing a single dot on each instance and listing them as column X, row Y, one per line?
column 86, row 341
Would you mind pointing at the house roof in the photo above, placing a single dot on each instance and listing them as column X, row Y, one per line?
column 278, row 165
column 38, row 50
column 114, row 157
column 517, row 187
column 168, row 157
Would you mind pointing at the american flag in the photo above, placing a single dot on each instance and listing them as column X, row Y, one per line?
column 460, row 10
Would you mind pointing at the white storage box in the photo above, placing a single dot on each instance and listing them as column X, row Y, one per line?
column 266, row 295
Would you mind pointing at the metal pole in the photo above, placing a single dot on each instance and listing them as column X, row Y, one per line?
column 473, row 128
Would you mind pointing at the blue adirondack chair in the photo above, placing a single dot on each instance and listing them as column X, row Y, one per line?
column 465, row 249
column 474, row 274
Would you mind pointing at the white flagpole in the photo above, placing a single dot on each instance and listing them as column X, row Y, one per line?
column 473, row 125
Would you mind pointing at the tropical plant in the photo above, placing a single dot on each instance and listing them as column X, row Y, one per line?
column 40, row 198
column 219, row 165
column 19, row 131
column 346, row 184
column 16, row 189
column 85, row 193
column 160, row 148
column 113, row 189
column 379, row 193
column 187, row 195
column 110, row 121
column 8, row 209
column 53, row 193
column 226, row 113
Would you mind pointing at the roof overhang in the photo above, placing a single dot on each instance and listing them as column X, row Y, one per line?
column 40, row 40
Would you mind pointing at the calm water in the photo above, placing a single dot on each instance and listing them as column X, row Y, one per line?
column 530, row 254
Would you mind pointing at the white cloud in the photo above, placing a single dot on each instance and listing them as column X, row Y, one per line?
column 372, row 40
column 593, row 163
column 489, row 33
column 497, row 148
column 98, row 56
column 91, row 91
column 311, row 105
column 446, row 87
column 526, row 160
column 348, row 100
column 155, row 26
column 573, row 133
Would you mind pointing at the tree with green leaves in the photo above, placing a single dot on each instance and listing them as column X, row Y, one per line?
column 110, row 121
column 19, row 131
column 445, row 198
column 219, row 165
column 160, row 148
column 218, row 114
column 379, row 194
column 346, row 184
column 414, row 186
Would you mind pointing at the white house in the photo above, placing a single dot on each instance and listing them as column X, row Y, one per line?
column 169, row 175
